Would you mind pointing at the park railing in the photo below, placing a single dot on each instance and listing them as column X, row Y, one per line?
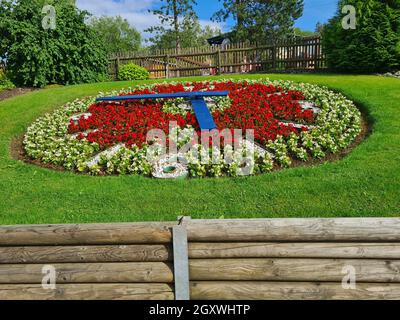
column 300, row 54
column 308, row 259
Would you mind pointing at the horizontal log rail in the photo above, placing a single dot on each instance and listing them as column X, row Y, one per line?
column 133, row 272
column 103, row 291
column 313, row 270
column 349, row 250
column 226, row 259
column 93, row 253
column 303, row 230
column 241, row 290
column 121, row 233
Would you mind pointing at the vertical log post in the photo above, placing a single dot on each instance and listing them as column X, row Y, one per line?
column 274, row 57
column 218, row 58
column 167, row 66
column 117, row 63
column 317, row 51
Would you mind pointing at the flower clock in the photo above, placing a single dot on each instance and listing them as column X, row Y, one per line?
column 260, row 125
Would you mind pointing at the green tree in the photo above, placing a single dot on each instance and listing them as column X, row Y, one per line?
column 237, row 9
column 303, row 33
column 169, row 14
column 260, row 20
column 117, row 34
column 319, row 28
column 70, row 53
column 191, row 34
column 373, row 46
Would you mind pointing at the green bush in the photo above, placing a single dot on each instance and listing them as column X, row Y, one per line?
column 374, row 46
column 130, row 71
column 69, row 54
column 5, row 83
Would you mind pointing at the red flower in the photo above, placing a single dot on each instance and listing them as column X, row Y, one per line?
column 254, row 106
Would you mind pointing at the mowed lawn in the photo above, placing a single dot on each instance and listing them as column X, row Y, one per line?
column 364, row 184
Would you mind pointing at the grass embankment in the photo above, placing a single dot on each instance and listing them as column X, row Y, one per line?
column 365, row 183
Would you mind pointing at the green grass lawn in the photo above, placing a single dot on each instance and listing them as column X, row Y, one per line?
column 365, row 183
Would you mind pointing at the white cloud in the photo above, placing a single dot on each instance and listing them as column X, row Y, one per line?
column 135, row 11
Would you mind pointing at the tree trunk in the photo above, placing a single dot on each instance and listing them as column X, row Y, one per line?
column 176, row 27
column 240, row 18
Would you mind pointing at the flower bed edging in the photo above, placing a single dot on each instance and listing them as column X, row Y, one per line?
column 336, row 123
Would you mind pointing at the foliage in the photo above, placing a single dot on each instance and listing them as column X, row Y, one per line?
column 71, row 53
column 319, row 28
column 374, row 46
column 130, row 72
column 259, row 20
column 116, row 34
column 169, row 14
column 191, row 34
column 303, row 33
column 5, row 83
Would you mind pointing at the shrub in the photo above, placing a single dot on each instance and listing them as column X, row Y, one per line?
column 130, row 71
column 374, row 46
column 5, row 83
column 69, row 54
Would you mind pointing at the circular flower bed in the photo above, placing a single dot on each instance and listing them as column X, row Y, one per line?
column 289, row 122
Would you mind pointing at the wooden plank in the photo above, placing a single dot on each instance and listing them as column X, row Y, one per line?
column 326, row 270
column 108, row 253
column 135, row 272
column 148, row 291
column 118, row 233
column 205, row 250
column 240, row 290
column 304, row 230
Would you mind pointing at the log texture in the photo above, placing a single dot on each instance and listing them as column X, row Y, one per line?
column 301, row 230
column 240, row 290
column 228, row 259
column 353, row 250
column 120, row 233
column 147, row 291
column 314, row 270
column 146, row 272
column 109, row 253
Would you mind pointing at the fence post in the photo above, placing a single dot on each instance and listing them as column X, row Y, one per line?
column 274, row 57
column 167, row 66
column 181, row 260
column 317, row 51
column 219, row 69
column 116, row 67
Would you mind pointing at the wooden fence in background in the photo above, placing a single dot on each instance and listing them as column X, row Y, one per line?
column 303, row 54
column 224, row 259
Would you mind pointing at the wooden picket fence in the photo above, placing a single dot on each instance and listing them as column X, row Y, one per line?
column 300, row 54
column 204, row 259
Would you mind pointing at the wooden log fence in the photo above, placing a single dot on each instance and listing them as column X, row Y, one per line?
column 304, row 54
column 204, row 259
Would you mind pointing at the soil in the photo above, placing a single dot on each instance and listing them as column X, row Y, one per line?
column 366, row 130
column 18, row 152
column 9, row 93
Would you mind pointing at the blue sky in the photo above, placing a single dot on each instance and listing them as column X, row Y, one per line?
column 314, row 11
column 136, row 11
